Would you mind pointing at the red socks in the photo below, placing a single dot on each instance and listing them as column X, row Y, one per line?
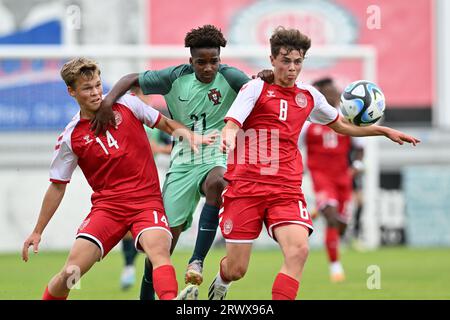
column 48, row 296
column 332, row 244
column 284, row 287
column 165, row 282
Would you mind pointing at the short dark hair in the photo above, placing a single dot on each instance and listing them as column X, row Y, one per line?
column 207, row 36
column 322, row 82
column 291, row 39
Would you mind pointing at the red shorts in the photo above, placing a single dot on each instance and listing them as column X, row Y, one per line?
column 334, row 191
column 106, row 226
column 247, row 205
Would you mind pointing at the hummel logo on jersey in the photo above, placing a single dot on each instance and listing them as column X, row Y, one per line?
column 270, row 94
column 87, row 139
column 214, row 95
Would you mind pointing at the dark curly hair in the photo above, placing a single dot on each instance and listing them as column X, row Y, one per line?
column 290, row 39
column 207, row 36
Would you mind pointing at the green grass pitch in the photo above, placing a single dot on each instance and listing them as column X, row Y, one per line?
column 404, row 274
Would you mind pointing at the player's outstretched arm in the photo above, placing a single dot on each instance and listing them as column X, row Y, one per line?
column 342, row 126
column 52, row 199
column 177, row 130
column 105, row 115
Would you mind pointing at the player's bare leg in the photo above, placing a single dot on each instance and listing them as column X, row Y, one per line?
column 333, row 232
column 156, row 244
column 212, row 188
column 232, row 267
column 147, row 285
column 293, row 241
column 82, row 257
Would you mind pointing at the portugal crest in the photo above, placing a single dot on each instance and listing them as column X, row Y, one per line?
column 214, row 96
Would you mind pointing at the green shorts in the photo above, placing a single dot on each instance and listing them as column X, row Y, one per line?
column 182, row 192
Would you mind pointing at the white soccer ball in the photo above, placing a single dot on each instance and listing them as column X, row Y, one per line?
column 362, row 103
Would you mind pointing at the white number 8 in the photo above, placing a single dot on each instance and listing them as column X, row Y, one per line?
column 283, row 110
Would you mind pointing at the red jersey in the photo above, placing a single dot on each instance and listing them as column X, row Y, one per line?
column 327, row 150
column 271, row 117
column 119, row 166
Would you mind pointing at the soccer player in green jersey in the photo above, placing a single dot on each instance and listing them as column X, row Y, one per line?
column 198, row 95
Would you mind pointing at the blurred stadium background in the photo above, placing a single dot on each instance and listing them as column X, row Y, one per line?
column 401, row 45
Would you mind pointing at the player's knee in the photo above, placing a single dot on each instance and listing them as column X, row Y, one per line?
column 237, row 272
column 342, row 229
column 330, row 217
column 297, row 253
column 69, row 276
column 215, row 186
column 157, row 252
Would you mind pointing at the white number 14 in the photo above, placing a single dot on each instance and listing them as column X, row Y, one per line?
column 111, row 142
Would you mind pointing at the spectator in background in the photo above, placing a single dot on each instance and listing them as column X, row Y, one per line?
column 328, row 155
column 356, row 157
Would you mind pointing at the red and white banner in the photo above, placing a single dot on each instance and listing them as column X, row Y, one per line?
column 400, row 30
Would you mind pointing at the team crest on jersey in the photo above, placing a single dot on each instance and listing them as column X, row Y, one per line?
column 87, row 139
column 301, row 100
column 227, row 226
column 214, row 95
column 117, row 117
column 270, row 94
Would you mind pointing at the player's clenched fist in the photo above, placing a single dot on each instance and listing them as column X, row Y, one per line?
column 228, row 141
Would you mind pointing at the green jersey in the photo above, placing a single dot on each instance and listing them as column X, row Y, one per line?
column 199, row 106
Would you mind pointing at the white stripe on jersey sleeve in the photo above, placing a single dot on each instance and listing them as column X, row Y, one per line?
column 64, row 160
column 323, row 112
column 302, row 137
column 145, row 113
column 245, row 100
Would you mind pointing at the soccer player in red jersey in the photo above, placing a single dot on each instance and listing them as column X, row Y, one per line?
column 328, row 155
column 119, row 167
column 265, row 166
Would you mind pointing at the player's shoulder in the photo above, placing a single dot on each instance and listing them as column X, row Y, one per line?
column 255, row 83
column 307, row 87
column 169, row 74
column 66, row 135
column 73, row 123
column 180, row 70
column 315, row 93
column 128, row 99
column 253, row 87
column 235, row 77
column 228, row 68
